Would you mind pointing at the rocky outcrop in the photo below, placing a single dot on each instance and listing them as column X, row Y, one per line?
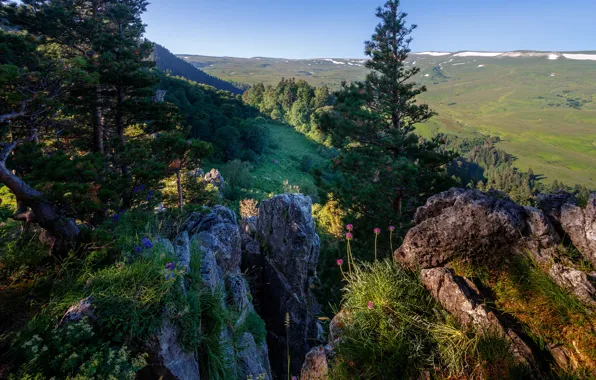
column 215, row 178
column 470, row 225
column 215, row 236
column 285, row 248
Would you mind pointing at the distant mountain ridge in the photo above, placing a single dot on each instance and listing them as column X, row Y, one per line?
column 170, row 63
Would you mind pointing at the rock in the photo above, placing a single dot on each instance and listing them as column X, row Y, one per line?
column 459, row 299
column 182, row 250
column 166, row 245
column 575, row 281
column 315, row 365
column 336, row 327
column 78, row 311
column 580, row 224
column 182, row 365
column 250, row 361
column 215, row 178
column 290, row 246
column 469, row 225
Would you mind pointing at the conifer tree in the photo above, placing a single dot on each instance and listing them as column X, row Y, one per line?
column 382, row 164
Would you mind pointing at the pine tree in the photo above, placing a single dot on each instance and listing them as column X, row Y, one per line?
column 382, row 164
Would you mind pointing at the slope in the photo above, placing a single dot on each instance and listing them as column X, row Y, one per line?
column 175, row 66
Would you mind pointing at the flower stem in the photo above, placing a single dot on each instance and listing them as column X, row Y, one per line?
column 376, row 236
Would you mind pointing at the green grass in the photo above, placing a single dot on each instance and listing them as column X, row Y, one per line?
column 393, row 329
column 282, row 163
column 513, row 98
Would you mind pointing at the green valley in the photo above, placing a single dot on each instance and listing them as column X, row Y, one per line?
column 544, row 110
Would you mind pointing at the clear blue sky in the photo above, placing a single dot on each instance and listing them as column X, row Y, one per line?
column 338, row 28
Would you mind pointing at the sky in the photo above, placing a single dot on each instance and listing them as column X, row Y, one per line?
column 338, row 28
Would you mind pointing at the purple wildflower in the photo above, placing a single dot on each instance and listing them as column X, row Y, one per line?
column 370, row 305
column 136, row 189
column 146, row 242
column 142, row 187
column 349, row 236
column 340, row 262
column 138, row 249
column 116, row 218
column 349, row 227
column 377, row 230
column 150, row 195
column 392, row 228
column 170, row 266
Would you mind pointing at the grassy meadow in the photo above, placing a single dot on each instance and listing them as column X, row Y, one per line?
column 543, row 110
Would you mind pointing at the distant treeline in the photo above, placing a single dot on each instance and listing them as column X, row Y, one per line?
column 175, row 66
column 483, row 166
column 294, row 102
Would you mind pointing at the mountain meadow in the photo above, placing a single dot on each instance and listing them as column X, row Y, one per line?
column 405, row 215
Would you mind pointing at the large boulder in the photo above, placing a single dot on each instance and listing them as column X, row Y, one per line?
column 470, row 225
column 290, row 252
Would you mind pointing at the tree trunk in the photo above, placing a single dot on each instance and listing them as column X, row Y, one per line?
column 98, row 125
column 119, row 115
column 179, row 184
column 64, row 230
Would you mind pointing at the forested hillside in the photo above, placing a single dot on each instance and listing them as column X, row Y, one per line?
column 175, row 66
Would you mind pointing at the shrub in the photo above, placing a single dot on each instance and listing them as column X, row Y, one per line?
column 306, row 163
column 238, row 177
column 73, row 351
column 248, row 208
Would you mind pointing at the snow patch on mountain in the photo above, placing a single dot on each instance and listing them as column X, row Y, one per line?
column 581, row 57
column 433, row 53
column 477, row 54
column 335, row 62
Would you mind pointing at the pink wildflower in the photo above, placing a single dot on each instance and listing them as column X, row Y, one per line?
column 340, row 262
column 349, row 227
column 377, row 230
column 391, row 228
column 370, row 305
column 349, row 236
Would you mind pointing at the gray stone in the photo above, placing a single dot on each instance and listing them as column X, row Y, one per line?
column 575, row 281
column 316, row 366
column 215, row 178
column 580, row 224
column 470, row 225
column 290, row 247
column 182, row 250
column 78, row 311
column 182, row 365
column 461, row 299
column 250, row 359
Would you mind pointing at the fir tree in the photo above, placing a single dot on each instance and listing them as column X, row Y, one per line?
column 382, row 164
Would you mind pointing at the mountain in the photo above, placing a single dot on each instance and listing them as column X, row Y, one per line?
column 168, row 62
column 542, row 105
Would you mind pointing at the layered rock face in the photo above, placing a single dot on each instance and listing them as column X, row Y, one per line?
column 285, row 247
column 218, row 238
